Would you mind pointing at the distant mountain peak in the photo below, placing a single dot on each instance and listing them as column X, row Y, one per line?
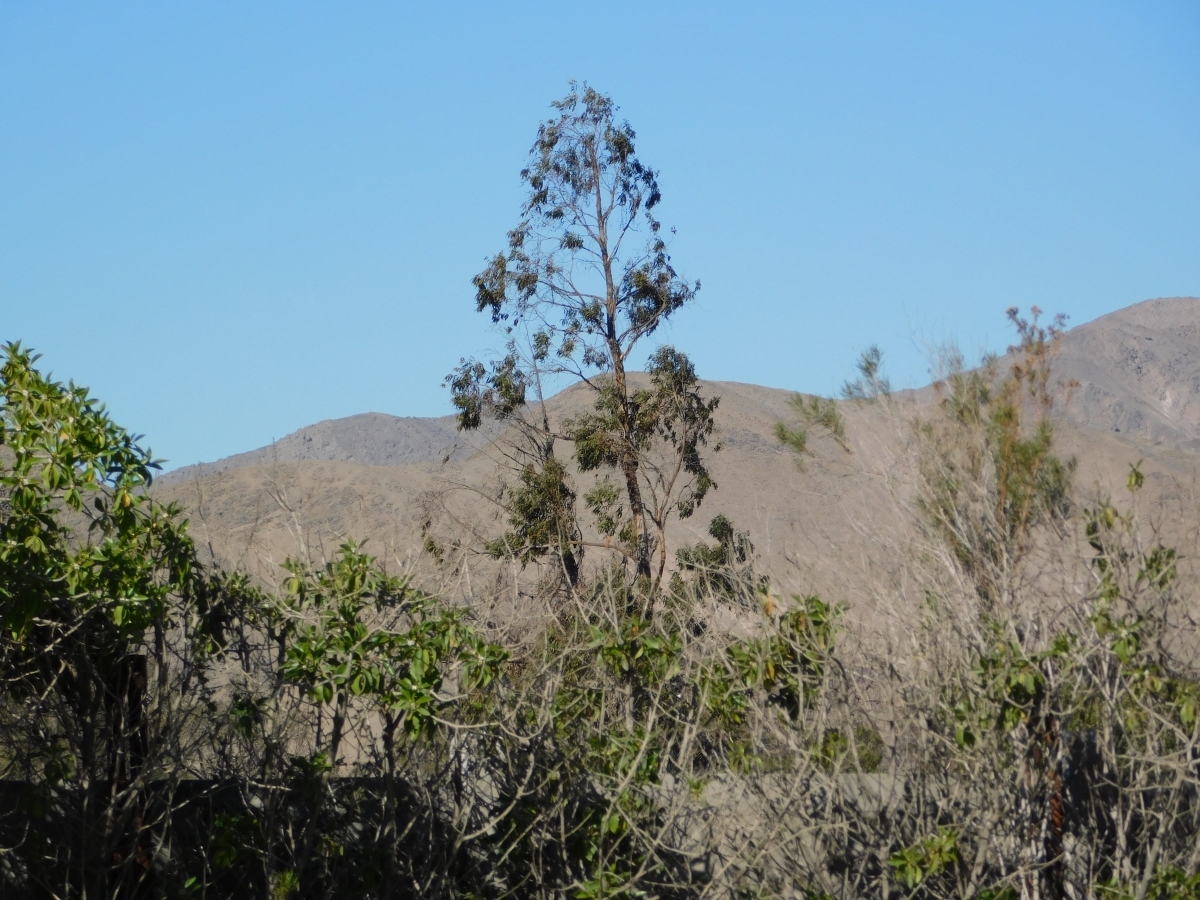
column 369, row 439
column 1138, row 370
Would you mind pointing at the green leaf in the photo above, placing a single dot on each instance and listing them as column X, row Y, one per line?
column 1187, row 711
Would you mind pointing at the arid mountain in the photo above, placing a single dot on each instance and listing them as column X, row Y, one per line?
column 1139, row 371
column 837, row 527
column 369, row 439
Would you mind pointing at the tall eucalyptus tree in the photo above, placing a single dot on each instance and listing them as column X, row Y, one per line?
column 586, row 279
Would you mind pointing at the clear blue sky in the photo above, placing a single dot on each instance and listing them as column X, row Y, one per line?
column 235, row 219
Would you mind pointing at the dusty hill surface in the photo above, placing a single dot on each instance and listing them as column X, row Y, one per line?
column 370, row 439
column 838, row 527
column 1139, row 371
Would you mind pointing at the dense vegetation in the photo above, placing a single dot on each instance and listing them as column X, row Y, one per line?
column 169, row 729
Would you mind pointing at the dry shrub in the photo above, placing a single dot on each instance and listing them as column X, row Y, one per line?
column 343, row 732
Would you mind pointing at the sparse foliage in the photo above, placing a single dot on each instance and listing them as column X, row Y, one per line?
column 819, row 412
column 871, row 383
column 587, row 277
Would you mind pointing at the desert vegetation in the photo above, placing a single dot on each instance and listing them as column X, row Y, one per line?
column 596, row 719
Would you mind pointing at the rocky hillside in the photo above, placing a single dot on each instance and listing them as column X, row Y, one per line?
column 369, row 439
column 838, row 527
column 1139, row 371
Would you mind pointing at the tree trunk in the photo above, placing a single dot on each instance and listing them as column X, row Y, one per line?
column 391, row 830
column 629, row 468
column 305, row 862
column 129, row 744
column 629, row 458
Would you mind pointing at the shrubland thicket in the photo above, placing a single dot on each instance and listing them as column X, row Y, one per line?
column 607, row 722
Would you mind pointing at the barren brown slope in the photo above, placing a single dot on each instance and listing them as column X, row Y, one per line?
column 838, row 528
column 370, row 439
column 814, row 529
column 1139, row 371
